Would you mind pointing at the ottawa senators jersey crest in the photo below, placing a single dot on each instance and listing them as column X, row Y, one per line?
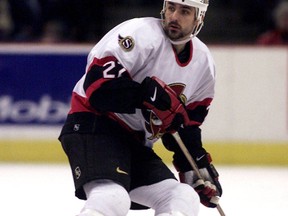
column 126, row 43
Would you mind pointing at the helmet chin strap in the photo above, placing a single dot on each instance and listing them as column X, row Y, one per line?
column 183, row 41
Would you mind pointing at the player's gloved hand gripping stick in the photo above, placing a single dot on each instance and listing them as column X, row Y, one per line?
column 199, row 179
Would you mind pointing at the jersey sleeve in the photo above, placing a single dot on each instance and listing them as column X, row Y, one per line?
column 109, row 87
column 110, row 84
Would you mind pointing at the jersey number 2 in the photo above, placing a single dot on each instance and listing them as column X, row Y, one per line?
column 114, row 70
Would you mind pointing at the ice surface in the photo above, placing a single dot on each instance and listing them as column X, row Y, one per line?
column 47, row 190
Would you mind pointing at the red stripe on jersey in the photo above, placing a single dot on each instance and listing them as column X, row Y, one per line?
column 95, row 86
column 110, row 68
column 101, row 62
column 206, row 102
column 80, row 104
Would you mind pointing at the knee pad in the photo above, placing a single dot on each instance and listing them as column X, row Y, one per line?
column 168, row 197
column 185, row 201
column 90, row 212
column 105, row 198
column 172, row 214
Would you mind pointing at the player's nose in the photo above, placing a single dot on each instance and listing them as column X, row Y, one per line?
column 175, row 15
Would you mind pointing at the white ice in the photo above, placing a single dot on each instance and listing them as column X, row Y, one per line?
column 47, row 190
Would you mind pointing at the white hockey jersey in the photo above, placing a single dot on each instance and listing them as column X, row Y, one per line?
column 142, row 48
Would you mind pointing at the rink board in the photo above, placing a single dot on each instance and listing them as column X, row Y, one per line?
column 248, row 106
column 43, row 151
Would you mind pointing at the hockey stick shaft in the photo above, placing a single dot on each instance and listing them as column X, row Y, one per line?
column 192, row 163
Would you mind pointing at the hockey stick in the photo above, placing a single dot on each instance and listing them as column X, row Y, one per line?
column 192, row 163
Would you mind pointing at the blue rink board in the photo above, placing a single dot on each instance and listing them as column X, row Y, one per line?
column 35, row 88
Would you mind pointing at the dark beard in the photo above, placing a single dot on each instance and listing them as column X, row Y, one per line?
column 173, row 36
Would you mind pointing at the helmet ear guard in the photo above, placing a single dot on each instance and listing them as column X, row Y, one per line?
column 198, row 26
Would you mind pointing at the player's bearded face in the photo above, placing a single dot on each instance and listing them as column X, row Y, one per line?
column 179, row 21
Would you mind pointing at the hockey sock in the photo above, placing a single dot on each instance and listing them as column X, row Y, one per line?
column 105, row 197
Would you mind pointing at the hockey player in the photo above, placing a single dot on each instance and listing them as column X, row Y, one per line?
column 144, row 80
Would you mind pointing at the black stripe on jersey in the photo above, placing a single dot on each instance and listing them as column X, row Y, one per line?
column 109, row 87
column 94, row 74
column 198, row 110
column 198, row 114
column 105, row 68
column 121, row 95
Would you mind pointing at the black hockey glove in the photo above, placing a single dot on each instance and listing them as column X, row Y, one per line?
column 166, row 112
column 208, row 188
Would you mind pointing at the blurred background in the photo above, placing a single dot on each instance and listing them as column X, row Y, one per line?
column 43, row 49
column 82, row 21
